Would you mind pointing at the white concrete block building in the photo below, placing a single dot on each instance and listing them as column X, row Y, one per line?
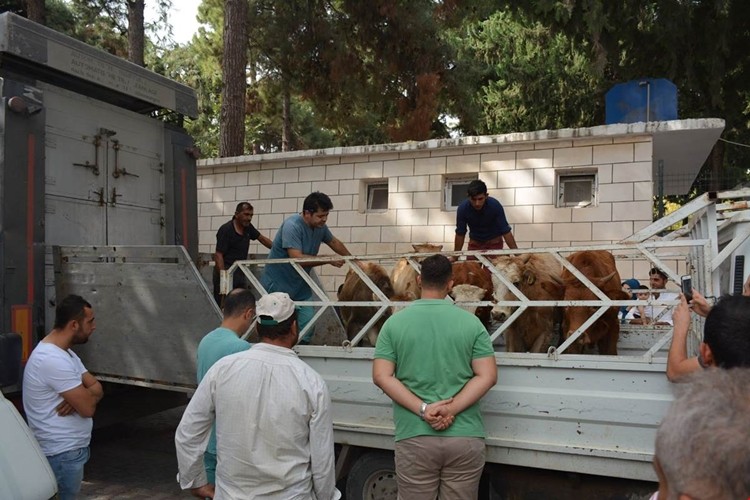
column 558, row 187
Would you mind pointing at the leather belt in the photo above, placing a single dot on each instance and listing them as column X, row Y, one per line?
column 496, row 239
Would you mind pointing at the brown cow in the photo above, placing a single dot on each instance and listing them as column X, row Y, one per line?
column 599, row 267
column 404, row 276
column 537, row 276
column 355, row 290
column 472, row 273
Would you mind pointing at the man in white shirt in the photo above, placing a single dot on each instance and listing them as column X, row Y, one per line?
column 60, row 395
column 657, row 280
column 274, row 429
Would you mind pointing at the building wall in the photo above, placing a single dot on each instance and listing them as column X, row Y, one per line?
column 519, row 170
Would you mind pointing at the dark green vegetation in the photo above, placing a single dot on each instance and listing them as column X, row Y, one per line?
column 324, row 73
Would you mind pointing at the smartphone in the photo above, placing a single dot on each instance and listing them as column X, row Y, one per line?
column 687, row 287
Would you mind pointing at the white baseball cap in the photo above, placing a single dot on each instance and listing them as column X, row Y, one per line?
column 274, row 308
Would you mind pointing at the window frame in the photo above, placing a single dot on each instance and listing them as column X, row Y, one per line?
column 366, row 191
column 449, row 181
column 562, row 176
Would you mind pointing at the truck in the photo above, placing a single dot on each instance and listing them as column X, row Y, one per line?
column 558, row 425
column 94, row 152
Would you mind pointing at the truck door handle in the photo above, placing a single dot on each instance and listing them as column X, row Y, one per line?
column 119, row 171
column 93, row 166
column 113, row 199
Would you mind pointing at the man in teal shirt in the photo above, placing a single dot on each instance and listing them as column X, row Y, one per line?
column 239, row 311
column 300, row 236
column 436, row 361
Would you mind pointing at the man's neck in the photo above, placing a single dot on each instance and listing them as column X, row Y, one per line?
column 286, row 341
column 431, row 293
column 235, row 326
column 237, row 226
column 60, row 338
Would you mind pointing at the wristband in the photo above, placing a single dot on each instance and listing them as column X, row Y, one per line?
column 422, row 409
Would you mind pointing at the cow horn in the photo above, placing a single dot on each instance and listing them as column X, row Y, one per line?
column 529, row 277
column 599, row 282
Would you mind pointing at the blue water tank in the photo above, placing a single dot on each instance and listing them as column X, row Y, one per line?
column 648, row 99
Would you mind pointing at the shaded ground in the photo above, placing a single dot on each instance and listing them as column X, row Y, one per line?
column 134, row 460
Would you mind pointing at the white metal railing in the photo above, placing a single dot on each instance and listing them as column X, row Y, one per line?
column 700, row 252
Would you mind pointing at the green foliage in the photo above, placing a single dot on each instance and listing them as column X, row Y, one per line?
column 530, row 78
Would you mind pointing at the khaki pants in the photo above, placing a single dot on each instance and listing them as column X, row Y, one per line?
column 446, row 468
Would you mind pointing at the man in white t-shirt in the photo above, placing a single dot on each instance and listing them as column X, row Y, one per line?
column 60, row 395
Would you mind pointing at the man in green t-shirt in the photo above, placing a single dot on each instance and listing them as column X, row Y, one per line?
column 436, row 361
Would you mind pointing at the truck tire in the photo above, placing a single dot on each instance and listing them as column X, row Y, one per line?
column 372, row 477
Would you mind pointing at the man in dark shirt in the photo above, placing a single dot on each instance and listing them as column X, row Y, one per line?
column 486, row 220
column 232, row 243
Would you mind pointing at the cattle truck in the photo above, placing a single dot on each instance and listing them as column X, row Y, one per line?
column 558, row 425
column 94, row 157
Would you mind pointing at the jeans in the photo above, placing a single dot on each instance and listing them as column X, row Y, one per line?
column 68, row 469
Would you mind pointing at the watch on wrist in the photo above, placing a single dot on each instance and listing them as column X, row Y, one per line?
column 422, row 409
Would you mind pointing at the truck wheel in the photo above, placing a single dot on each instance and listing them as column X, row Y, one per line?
column 372, row 477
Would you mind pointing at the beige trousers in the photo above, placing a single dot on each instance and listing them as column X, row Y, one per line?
column 444, row 468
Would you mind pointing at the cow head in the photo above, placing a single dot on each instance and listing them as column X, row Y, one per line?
column 576, row 316
column 512, row 268
column 467, row 293
column 426, row 248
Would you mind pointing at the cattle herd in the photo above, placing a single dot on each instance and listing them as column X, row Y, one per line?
column 538, row 276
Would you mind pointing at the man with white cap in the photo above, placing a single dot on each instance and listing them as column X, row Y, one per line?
column 274, row 436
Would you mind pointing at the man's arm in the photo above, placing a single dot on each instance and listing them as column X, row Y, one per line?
column 219, row 260
column 296, row 253
column 384, row 376
column 191, row 436
column 510, row 240
column 265, row 241
column 699, row 305
column 81, row 400
column 678, row 363
column 485, row 377
column 322, row 463
column 458, row 242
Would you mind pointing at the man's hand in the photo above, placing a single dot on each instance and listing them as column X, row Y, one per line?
column 64, row 409
column 336, row 263
column 699, row 304
column 439, row 415
column 205, row 491
column 681, row 314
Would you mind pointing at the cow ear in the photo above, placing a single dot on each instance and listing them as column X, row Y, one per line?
column 553, row 288
column 529, row 277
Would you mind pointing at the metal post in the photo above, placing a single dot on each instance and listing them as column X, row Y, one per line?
column 660, row 187
column 647, row 84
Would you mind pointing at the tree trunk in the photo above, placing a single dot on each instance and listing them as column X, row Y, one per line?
column 286, row 128
column 135, row 31
column 36, row 11
column 717, row 171
column 232, row 121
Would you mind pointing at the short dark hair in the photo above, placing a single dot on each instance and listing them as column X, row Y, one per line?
column 238, row 301
column 277, row 331
column 242, row 206
column 71, row 308
column 317, row 201
column 656, row 270
column 726, row 331
column 476, row 187
column 437, row 271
